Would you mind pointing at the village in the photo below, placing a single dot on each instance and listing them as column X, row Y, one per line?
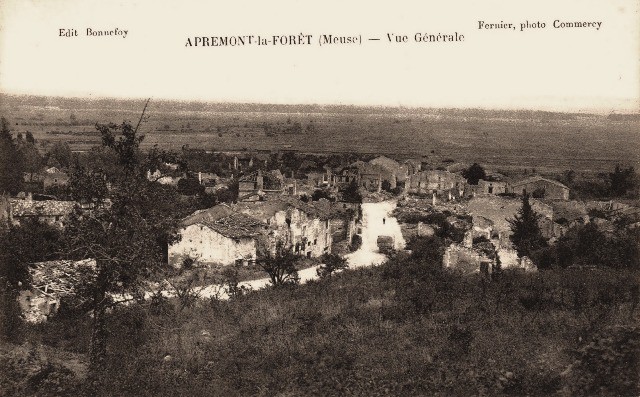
column 310, row 204
column 120, row 240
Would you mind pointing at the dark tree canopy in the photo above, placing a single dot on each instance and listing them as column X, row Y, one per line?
column 281, row 267
column 351, row 193
column 474, row 173
column 621, row 181
column 11, row 163
column 128, row 239
column 60, row 153
column 526, row 234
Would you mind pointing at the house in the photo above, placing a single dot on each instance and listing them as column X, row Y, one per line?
column 539, row 187
column 52, row 212
column 55, row 179
column 366, row 175
column 33, row 181
column 321, row 178
column 244, row 161
column 439, row 183
column 412, row 166
column 394, row 172
column 163, row 178
column 257, row 185
column 491, row 187
column 207, row 179
column 247, row 231
column 218, row 235
column 51, row 281
column 304, row 228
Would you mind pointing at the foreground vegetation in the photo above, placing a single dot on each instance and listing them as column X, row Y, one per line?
column 407, row 327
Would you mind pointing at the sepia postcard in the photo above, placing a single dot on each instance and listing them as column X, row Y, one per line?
column 319, row 198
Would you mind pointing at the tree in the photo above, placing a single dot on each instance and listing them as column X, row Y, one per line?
column 11, row 164
column 621, row 181
column 321, row 194
column 330, row 264
column 60, row 152
column 128, row 240
column 526, row 234
column 31, row 158
column 474, row 173
column 87, row 186
column 351, row 193
column 428, row 249
column 281, row 267
column 30, row 139
column 190, row 187
column 21, row 245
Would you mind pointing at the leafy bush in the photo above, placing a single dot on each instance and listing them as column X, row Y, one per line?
column 330, row 264
column 356, row 242
column 608, row 365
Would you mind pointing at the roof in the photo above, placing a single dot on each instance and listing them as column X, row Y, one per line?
column 224, row 220
column 267, row 209
column 41, row 208
column 536, row 179
column 252, row 177
column 364, row 168
column 61, row 276
column 236, row 225
column 207, row 215
column 52, row 170
column 56, row 175
column 413, row 162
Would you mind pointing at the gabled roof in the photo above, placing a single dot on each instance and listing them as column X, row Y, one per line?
column 236, row 225
column 536, row 179
column 267, row 209
column 224, row 220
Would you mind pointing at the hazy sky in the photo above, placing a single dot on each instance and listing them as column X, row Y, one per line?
column 554, row 69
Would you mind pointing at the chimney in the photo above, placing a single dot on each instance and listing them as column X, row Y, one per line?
column 200, row 177
column 29, row 197
column 433, row 199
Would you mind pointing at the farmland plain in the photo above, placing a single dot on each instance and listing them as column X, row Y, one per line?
column 502, row 139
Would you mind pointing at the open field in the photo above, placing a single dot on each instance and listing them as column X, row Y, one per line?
column 499, row 139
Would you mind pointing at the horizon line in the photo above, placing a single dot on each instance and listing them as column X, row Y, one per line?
column 90, row 97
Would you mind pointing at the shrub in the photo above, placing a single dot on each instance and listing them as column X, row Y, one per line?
column 356, row 242
column 281, row 267
column 608, row 365
column 330, row 264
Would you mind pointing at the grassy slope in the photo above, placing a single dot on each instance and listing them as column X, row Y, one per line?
column 398, row 329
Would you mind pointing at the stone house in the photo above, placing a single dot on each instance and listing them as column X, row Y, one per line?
column 491, row 187
column 247, row 231
column 52, row 212
column 164, row 178
column 539, row 187
column 55, row 179
column 293, row 224
column 393, row 171
column 256, row 186
column 367, row 176
column 412, row 166
column 218, row 236
column 321, row 178
column 444, row 184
